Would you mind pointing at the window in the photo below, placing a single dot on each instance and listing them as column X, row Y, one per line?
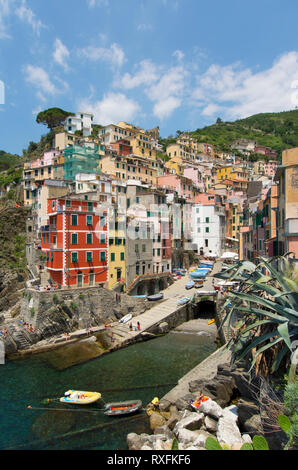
column 89, row 256
column 74, row 238
column 67, row 203
column 143, row 248
column 207, row 229
column 102, row 221
column 207, row 220
column 90, row 206
column 74, row 257
column 89, row 238
column 89, row 219
column 103, row 256
column 74, row 219
column 102, row 239
column 122, row 255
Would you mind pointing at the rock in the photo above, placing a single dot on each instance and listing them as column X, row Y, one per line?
column 211, row 408
column 165, row 414
column 191, row 422
column 201, row 438
column 210, row 424
column 146, row 447
column 246, row 388
column 156, row 420
column 164, row 430
column 247, row 409
column 175, row 417
column 163, row 328
column 184, row 402
column 164, row 405
column 185, row 436
column 253, row 425
column 134, row 441
column 246, row 438
column 227, row 429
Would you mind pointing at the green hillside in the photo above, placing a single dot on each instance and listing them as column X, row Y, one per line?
column 276, row 130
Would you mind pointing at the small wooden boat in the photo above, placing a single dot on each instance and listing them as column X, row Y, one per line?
column 189, row 285
column 155, row 296
column 77, row 397
column 122, row 408
column 126, row 318
column 183, row 301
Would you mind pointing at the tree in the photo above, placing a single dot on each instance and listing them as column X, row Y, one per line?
column 52, row 117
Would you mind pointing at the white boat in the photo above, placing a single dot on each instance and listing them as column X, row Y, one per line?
column 126, row 318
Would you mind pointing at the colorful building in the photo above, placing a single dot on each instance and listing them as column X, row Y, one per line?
column 75, row 242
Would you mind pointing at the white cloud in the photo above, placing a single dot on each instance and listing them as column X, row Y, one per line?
column 95, row 3
column 168, row 92
column 178, row 54
column 238, row 92
column 4, row 14
column 144, row 27
column 26, row 15
column 114, row 107
column 22, row 11
column 146, row 74
column 164, row 108
column 39, row 78
column 61, row 53
column 41, row 81
column 113, row 55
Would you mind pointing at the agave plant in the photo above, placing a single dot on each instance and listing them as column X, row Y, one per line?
column 266, row 307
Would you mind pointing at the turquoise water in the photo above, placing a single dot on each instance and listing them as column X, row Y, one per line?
column 141, row 371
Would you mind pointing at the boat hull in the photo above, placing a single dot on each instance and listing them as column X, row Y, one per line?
column 78, row 397
column 123, row 408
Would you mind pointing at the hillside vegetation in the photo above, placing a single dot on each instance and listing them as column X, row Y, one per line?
column 276, row 130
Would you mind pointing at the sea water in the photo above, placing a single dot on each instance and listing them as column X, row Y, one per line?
column 141, row 371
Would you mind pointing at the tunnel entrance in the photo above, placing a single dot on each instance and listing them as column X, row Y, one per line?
column 205, row 309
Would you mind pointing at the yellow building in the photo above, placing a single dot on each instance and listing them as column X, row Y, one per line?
column 180, row 153
column 142, row 145
column 231, row 172
column 130, row 167
column 117, row 253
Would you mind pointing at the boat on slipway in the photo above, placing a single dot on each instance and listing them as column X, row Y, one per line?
column 155, row 296
column 122, row 408
column 126, row 318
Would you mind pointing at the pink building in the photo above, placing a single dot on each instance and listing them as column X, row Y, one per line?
column 184, row 186
column 270, row 168
column 194, row 174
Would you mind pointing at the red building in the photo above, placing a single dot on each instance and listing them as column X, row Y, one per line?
column 75, row 242
column 122, row 147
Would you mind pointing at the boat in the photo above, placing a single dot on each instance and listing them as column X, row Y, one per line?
column 189, row 285
column 183, row 301
column 122, row 408
column 126, row 318
column 155, row 296
column 198, row 274
column 211, row 321
column 207, row 266
column 78, row 397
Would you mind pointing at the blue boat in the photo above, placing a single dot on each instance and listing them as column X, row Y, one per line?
column 183, row 301
column 207, row 266
column 189, row 285
column 198, row 274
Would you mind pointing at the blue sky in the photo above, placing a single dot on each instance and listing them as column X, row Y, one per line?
column 178, row 64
